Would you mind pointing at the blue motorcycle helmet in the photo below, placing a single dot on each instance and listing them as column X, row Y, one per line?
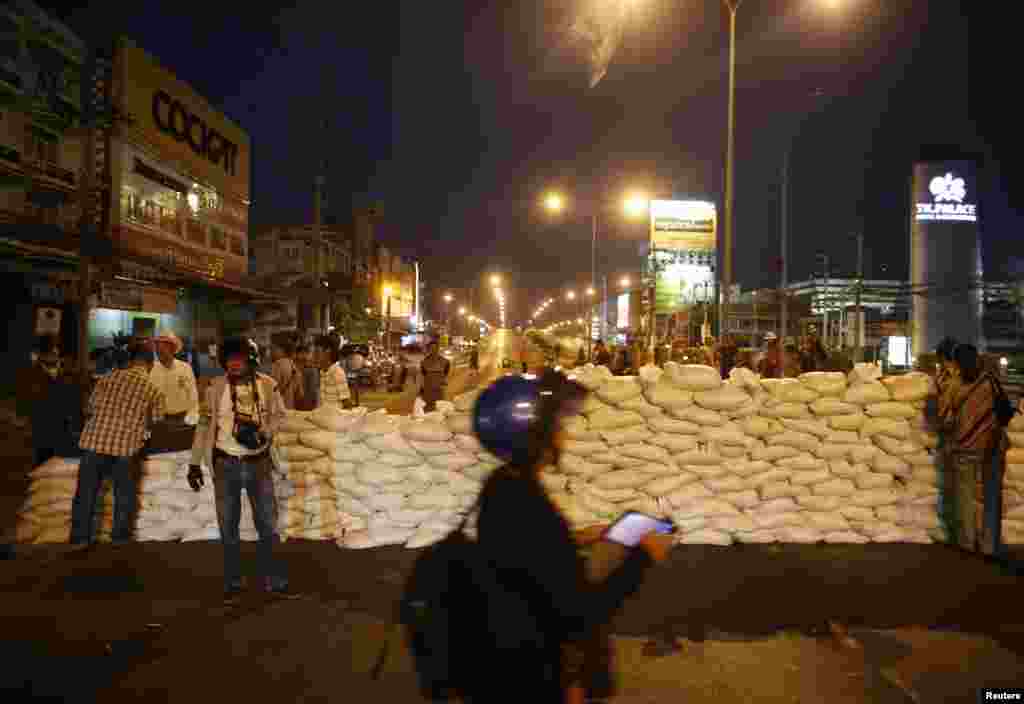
column 516, row 418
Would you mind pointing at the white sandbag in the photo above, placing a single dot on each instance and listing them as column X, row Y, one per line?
column 832, row 452
column 379, row 474
column 843, row 437
column 749, row 468
column 785, row 410
column 460, row 423
column 426, row 536
column 353, row 507
column 891, row 427
column 583, row 449
column 818, row 427
column 705, row 536
column 758, row 426
column 641, row 504
column 592, row 404
column 863, row 454
column 389, row 459
column 826, row 522
column 440, row 498
column 706, row 471
column 891, row 409
column 570, row 507
column 700, row 416
column 688, row 494
column 356, row 540
column 864, row 372
column 745, row 378
column 833, row 407
column 674, row 443
column 607, row 458
column 662, row 486
column 737, row 523
column 860, row 514
column 727, row 435
column 622, row 479
column 790, row 438
column 789, row 391
column 612, row 419
column 774, row 453
column 1015, row 456
column 835, row 487
column 598, row 506
column 392, row 443
column 874, row 480
column 825, row 383
column 725, row 398
column 846, row 537
column 810, row 477
column 613, row 495
column 873, row 498
column 772, row 520
column 426, row 431
column 452, row 462
column 744, row 499
column 635, row 434
column 780, row 505
column 760, row 536
column 571, row 464
column 854, row 422
column 892, row 446
column 440, row 448
column 410, row 517
column 693, row 377
column 650, row 453
column 708, row 508
column 920, row 491
column 731, row 452
column 649, row 374
column 390, row 535
column 698, row 458
column 666, row 396
column 914, row 386
column 820, row 503
column 772, row 476
column 355, row 452
column 674, row 426
column 641, row 406
column 778, row 490
column 748, row 409
column 619, row 389
column 378, row 423
column 890, row 465
column 728, row 483
column 803, row 462
column 799, row 535
column 333, row 419
column 465, row 402
column 867, row 393
column 299, row 453
column 296, row 422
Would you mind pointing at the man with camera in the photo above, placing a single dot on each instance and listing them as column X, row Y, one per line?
column 245, row 411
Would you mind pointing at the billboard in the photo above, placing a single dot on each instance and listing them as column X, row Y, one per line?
column 682, row 285
column 945, row 253
column 683, row 225
column 623, row 311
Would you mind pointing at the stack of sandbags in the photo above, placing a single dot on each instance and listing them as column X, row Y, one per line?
column 1013, row 484
column 45, row 515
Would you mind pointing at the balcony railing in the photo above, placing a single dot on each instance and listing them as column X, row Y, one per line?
column 51, row 170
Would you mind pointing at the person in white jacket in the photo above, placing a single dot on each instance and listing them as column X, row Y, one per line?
column 175, row 379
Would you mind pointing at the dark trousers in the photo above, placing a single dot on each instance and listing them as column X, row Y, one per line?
column 231, row 475
column 91, row 472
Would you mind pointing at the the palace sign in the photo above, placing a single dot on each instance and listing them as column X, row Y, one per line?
column 948, row 195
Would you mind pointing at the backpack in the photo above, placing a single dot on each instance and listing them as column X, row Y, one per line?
column 453, row 610
column 1002, row 407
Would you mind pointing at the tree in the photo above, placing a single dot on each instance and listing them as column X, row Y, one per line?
column 351, row 319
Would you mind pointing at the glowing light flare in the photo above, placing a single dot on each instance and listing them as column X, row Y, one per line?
column 554, row 203
column 636, row 205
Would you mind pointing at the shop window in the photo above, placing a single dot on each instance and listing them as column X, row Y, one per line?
column 237, row 246
column 147, row 202
column 217, row 239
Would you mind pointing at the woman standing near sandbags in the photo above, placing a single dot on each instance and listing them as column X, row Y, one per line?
column 524, row 537
column 977, row 438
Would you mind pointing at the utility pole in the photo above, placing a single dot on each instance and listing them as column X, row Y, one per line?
column 784, row 227
column 859, row 329
column 318, row 243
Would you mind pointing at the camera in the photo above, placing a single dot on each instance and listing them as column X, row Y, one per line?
column 249, row 436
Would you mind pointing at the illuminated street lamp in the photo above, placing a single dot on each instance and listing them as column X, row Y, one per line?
column 624, row 282
column 571, row 295
column 636, row 205
column 495, row 280
column 462, row 311
column 554, row 203
column 590, row 291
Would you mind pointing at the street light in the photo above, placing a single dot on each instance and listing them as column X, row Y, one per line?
column 462, row 311
column 571, row 295
column 624, row 281
column 387, row 290
column 590, row 291
column 636, row 205
column 554, row 203
column 447, row 298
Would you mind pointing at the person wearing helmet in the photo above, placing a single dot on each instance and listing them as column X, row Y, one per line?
column 528, row 542
column 245, row 411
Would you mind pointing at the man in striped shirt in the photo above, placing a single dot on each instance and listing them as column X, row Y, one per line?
column 122, row 408
column 333, row 381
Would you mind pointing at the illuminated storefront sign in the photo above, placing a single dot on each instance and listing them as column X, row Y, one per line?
column 948, row 194
column 683, row 225
column 623, row 311
column 174, row 119
column 681, row 285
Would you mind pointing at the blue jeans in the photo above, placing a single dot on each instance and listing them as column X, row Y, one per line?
column 231, row 475
column 91, row 472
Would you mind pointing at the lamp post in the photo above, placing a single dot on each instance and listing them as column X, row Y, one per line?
column 387, row 318
column 448, row 313
column 733, row 6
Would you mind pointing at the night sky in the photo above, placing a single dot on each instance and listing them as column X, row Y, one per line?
column 457, row 116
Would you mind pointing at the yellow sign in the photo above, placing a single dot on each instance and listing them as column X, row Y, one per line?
column 683, row 225
column 183, row 128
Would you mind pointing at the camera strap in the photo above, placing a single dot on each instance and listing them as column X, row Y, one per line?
column 255, row 399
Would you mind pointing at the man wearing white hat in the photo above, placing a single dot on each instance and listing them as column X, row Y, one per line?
column 770, row 366
column 175, row 379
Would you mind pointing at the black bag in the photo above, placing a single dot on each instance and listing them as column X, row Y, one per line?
column 454, row 611
column 1001, row 405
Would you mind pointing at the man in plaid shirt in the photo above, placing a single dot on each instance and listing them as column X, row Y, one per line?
column 123, row 406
